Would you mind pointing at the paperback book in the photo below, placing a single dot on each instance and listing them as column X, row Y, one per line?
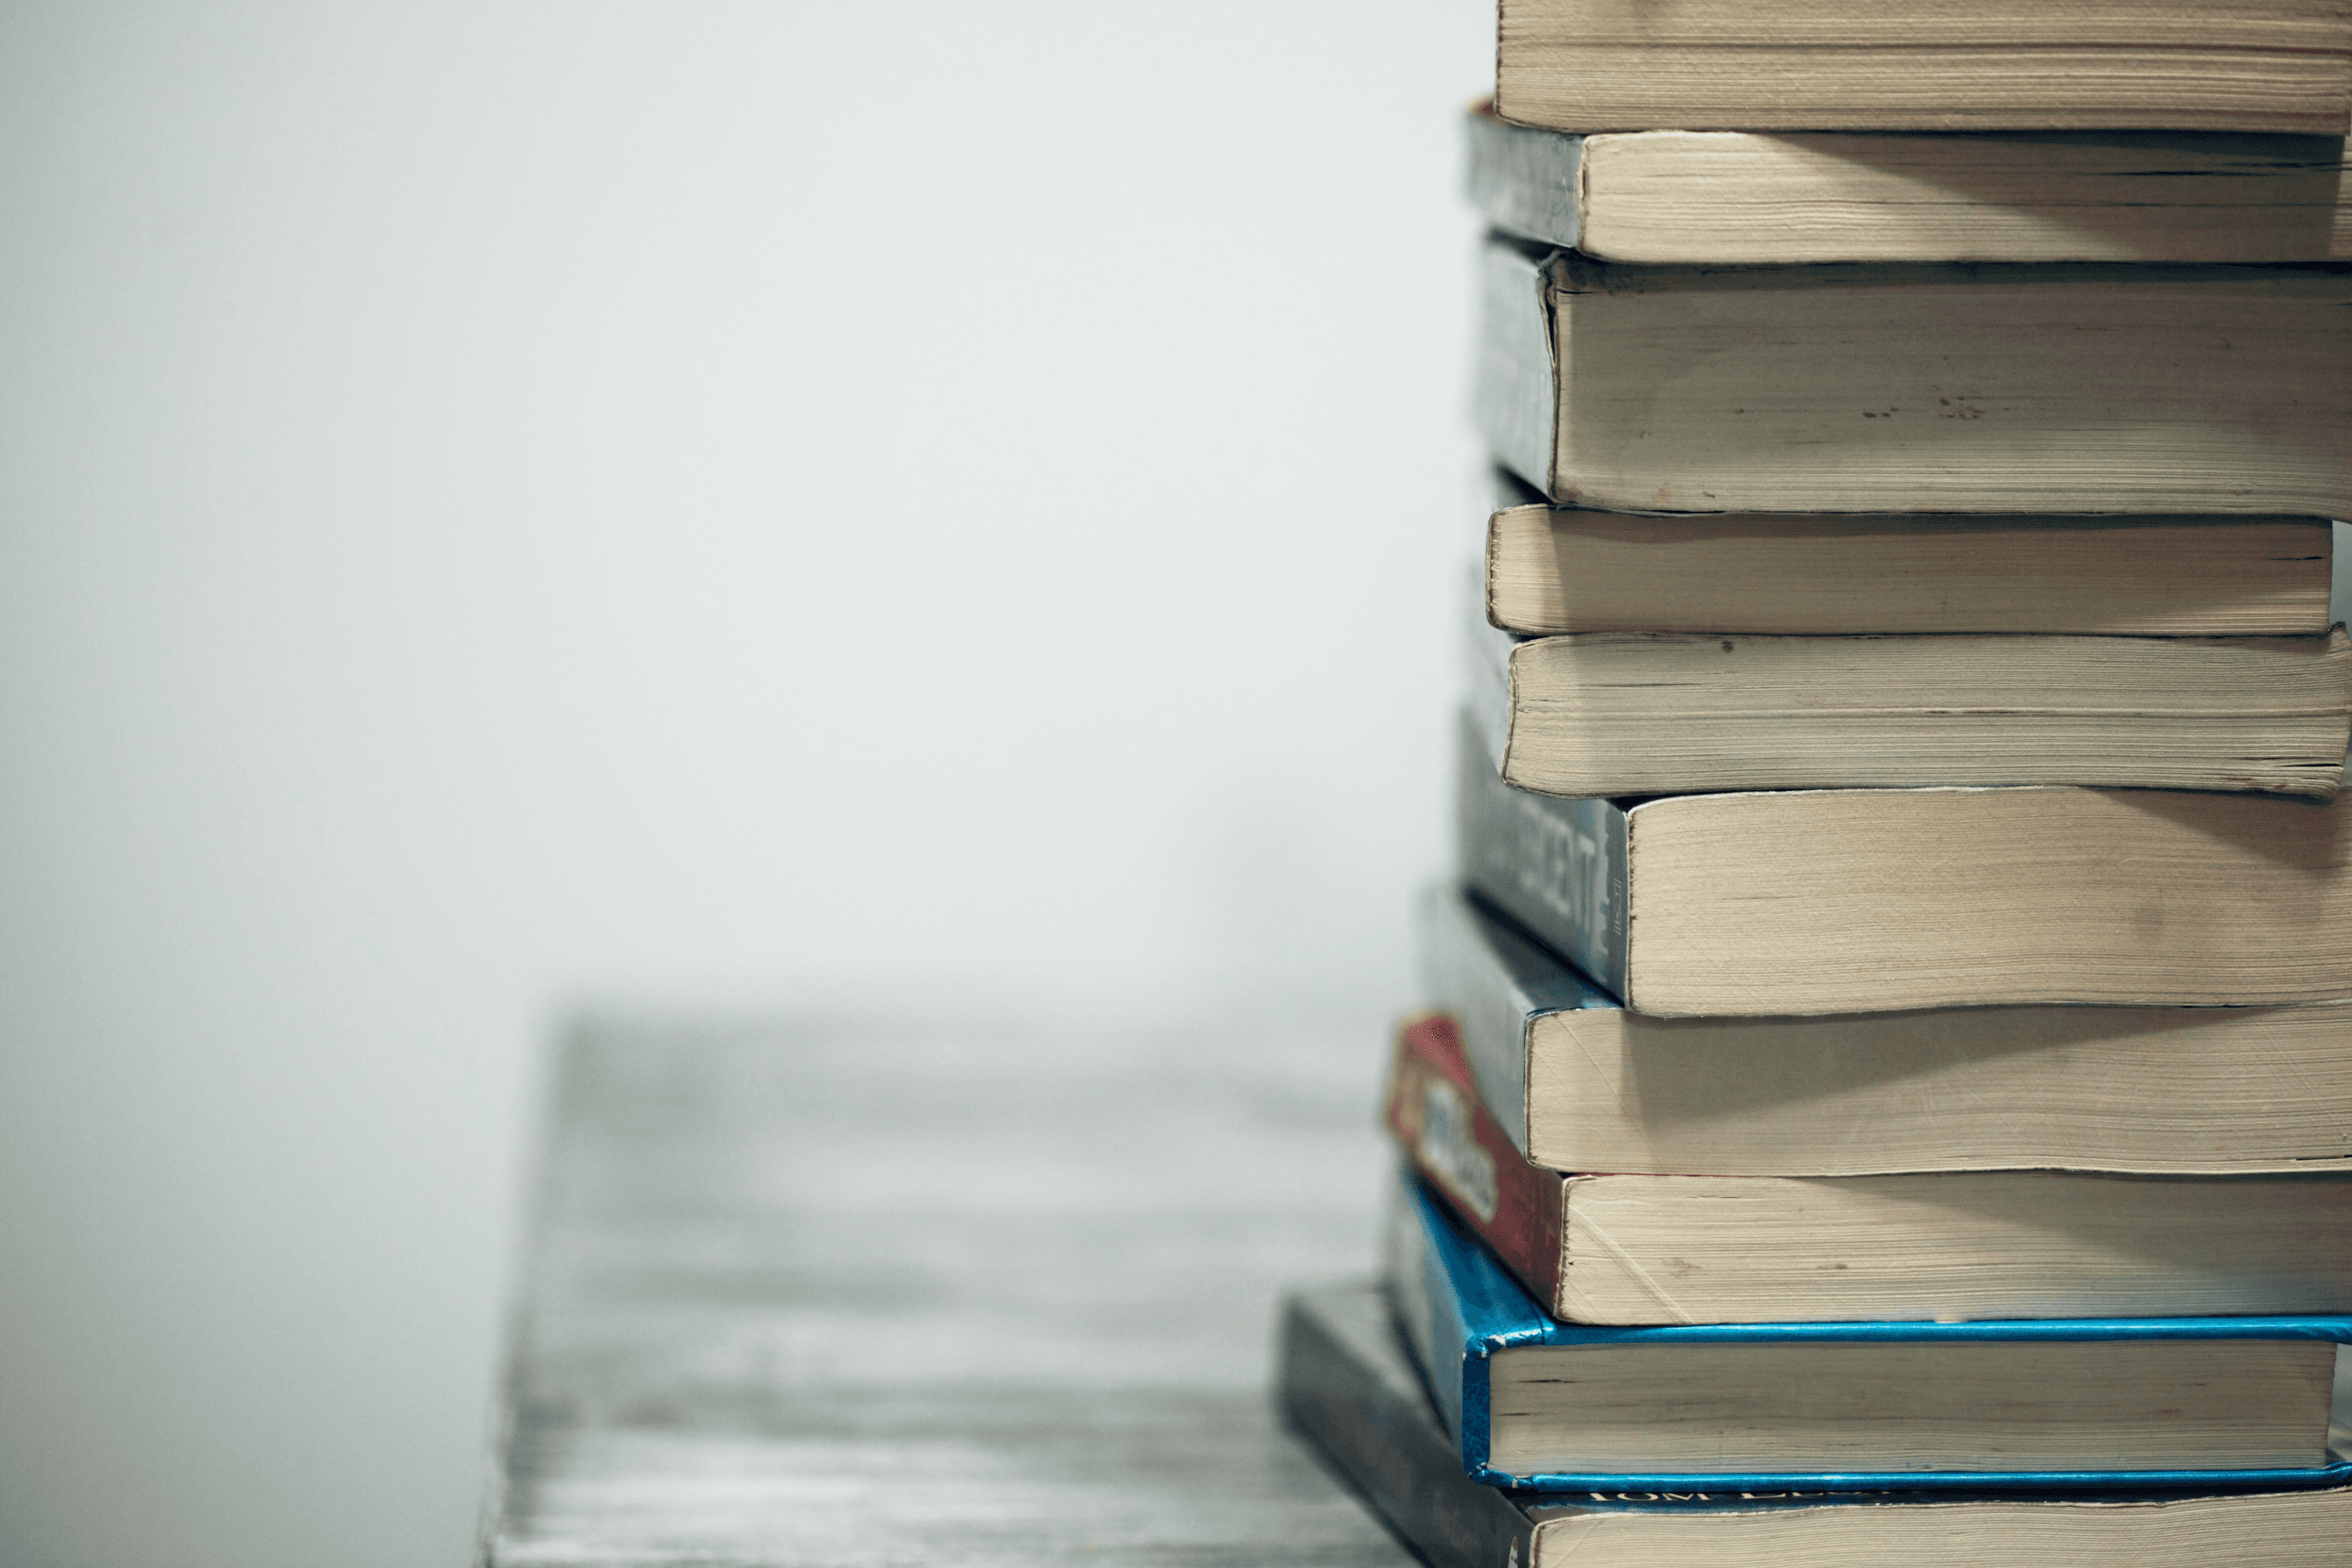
column 2013, row 1404
column 1614, row 1248
column 1897, row 387
column 2192, row 65
column 1738, row 197
column 1759, row 903
column 1344, row 1384
column 1576, row 1082
column 1556, row 570
column 1658, row 713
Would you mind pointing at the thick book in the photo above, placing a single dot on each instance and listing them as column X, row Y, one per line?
column 1576, row 1082
column 1742, row 198
column 2014, row 1403
column 1918, row 388
column 1344, row 1384
column 1995, row 65
column 1556, row 570
column 1804, row 902
column 1621, row 1247
column 1659, row 713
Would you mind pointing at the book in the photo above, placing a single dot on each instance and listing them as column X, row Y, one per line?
column 1831, row 65
column 1656, row 712
column 1576, row 1082
column 2015, row 1404
column 1804, row 902
column 1554, row 570
column 1904, row 387
column 1342, row 1382
column 1617, row 1247
column 1749, row 199
column 1345, row 1385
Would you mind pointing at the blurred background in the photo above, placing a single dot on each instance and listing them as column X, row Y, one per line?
column 508, row 509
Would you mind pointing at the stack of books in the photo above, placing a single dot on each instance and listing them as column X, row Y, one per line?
column 1887, row 1090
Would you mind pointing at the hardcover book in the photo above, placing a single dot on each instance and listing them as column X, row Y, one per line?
column 1741, row 198
column 1951, row 1246
column 1915, row 388
column 1805, row 902
column 2060, row 1404
column 1344, row 1384
column 1835, row 65
column 1576, row 1082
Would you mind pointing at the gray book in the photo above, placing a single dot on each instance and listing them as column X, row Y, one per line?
column 1551, row 570
column 1576, row 1082
column 1770, row 902
column 1555, row 864
column 1344, row 1384
column 1905, row 386
column 1745, row 198
column 1652, row 711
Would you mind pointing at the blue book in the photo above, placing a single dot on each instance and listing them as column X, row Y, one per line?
column 1346, row 1385
column 2050, row 1404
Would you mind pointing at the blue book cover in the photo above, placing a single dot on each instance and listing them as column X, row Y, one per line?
column 1346, row 1385
column 1459, row 1309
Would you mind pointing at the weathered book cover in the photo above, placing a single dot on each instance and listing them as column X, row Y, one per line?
column 1342, row 1382
column 1492, row 983
column 1555, row 864
column 2130, row 389
column 1435, row 1112
column 1523, row 180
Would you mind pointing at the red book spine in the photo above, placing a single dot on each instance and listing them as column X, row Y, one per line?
column 1459, row 1147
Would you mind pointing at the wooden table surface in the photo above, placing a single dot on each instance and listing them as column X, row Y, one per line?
column 819, row 1292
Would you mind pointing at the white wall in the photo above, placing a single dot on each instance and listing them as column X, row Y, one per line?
column 503, row 505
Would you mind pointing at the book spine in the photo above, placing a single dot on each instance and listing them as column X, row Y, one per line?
column 1435, row 1112
column 1461, row 977
column 1421, row 1292
column 1375, row 1427
column 1525, row 181
column 1555, row 865
column 1487, row 704
column 1514, row 386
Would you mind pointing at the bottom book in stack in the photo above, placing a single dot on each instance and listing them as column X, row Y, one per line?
column 1346, row 1384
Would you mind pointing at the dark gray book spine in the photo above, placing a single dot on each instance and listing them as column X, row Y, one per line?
column 1556, row 866
column 1459, row 975
column 1494, row 981
column 1512, row 392
column 1524, row 180
column 1343, row 1385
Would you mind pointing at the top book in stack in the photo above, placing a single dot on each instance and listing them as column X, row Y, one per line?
column 1927, row 65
